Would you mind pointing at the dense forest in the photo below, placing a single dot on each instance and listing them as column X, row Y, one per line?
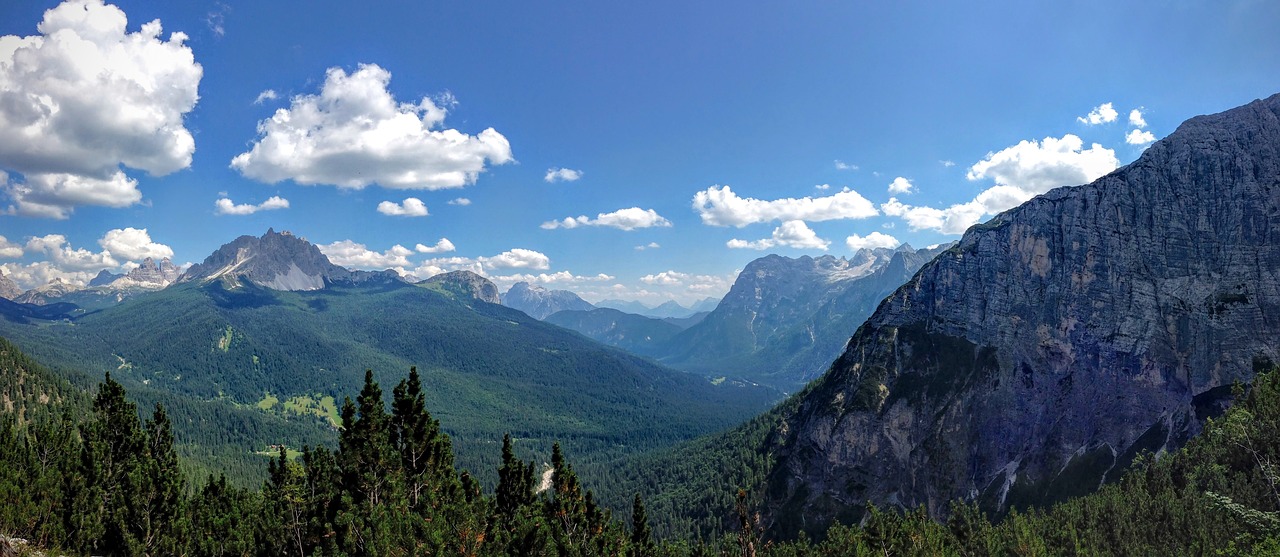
column 98, row 478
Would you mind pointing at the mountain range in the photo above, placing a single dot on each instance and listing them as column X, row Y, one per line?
column 270, row 324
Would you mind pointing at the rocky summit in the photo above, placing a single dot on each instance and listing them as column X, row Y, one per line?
column 279, row 261
column 1036, row 358
column 466, row 284
column 8, row 289
column 539, row 302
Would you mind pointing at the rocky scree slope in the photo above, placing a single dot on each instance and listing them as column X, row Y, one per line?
column 1034, row 359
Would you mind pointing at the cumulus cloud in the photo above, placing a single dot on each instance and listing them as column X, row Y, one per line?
column 410, row 207
column 871, row 241
column 900, row 185
column 623, row 219
column 558, row 277
column 1020, row 172
column 67, row 258
column 841, row 165
column 9, row 249
column 133, row 244
column 444, row 245
column 1101, row 114
column 461, row 201
column 84, row 97
column 1038, row 167
column 356, row 256
column 226, row 206
column 435, row 266
column 650, row 245
column 792, row 234
column 354, row 133
column 822, row 187
column 517, row 258
column 947, row 163
column 267, row 95
column 720, row 206
column 562, row 175
column 697, row 284
column 1136, row 119
column 1139, row 137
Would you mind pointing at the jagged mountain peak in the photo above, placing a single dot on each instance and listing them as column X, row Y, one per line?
column 279, row 261
column 8, row 289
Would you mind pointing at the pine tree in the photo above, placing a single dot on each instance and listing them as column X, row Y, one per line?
column 641, row 535
column 113, row 443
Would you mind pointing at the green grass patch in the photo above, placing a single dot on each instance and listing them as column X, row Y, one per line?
column 268, row 402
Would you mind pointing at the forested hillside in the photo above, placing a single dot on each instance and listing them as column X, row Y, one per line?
column 244, row 367
column 108, row 482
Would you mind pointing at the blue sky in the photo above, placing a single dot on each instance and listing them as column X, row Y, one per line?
column 657, row 107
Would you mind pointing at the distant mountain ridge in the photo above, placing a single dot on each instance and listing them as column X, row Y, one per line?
column 466, row 283
column 785, row 319
column 540, row 302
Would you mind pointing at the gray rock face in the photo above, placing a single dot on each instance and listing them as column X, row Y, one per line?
column 279, row 261
column 539, row 302
column 467, row 283
column 8, row 289
column 49, row 293
column 1035, row 358
column 784, row 320
column 149, row 273
column 103, row 278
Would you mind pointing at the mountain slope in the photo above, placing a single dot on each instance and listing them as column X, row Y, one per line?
column 634, row 333
column 784, row 320
column 1033, row 360
column 487, row 369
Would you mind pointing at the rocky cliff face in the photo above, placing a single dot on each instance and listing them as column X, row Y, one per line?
column 8, row 289
column 279, row 261
column 1033, row 360
column 468, row 284
column 52, row 292
column 784, row 320
column 149, row 274
column 539, row 302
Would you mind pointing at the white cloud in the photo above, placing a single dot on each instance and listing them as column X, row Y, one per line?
column 841, row 165
column 410, row 207
column 517, row 258
column 704, row 285
column 1038, row 167
column 461, row 201
column 719, row 206
column 1139, row 137
column 9, row 249
column 900, row 185
column 1101, row 114
column 1020, row 172
column 267, row 95
column 558, row 277
column 792, row 234
column 562, row 175
column 650, row 245
column 1136, row 119
column 871, row 241
column 947, row 163
column 822, row 187
column 55, row 195
column 669, row 278
column 623, row 219
column 133, row 244
column 225, row 206
column 442, row 246
column 354, row 133
column 435, row 266
column 356, row 256
column 84, row 97
column 66, row 258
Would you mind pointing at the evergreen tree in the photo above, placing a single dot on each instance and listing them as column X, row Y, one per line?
column 113, row 443
column 641, row 535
